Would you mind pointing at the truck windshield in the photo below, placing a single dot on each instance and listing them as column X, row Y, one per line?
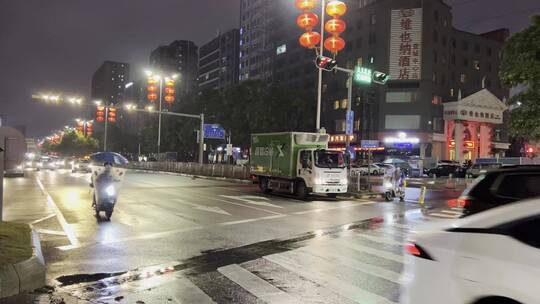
column 329, row 159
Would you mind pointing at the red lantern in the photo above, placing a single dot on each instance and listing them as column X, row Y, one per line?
column 307, row 21
column 89, row 129
column 100, row 119
column 169, row 82
column 169, row 90
column 152, row 88
column 334, row 44
column 100, row 114
column 305, row 5
column 169, row 99
column 335, row 26
column 152, row 81
column 336, row 8
column 112, row 115
column 310, row 39
column 152, row 97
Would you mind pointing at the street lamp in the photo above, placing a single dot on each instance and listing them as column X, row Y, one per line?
column 169, row 98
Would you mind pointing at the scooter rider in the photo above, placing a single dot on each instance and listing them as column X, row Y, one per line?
column 104, row 178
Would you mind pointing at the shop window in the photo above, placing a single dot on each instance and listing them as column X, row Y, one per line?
column 340, row 125
column 436, row 100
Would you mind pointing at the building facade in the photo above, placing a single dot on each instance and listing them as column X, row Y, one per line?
column 108, row 82
column 219, row 61
column 180, row 57
column 430, row 63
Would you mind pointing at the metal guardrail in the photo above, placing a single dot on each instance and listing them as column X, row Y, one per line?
column 212, row 170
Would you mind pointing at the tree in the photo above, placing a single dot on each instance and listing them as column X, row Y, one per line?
column 521, row 67
column 73, row 144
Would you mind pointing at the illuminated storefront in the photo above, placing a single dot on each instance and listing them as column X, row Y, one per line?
column 469, row 125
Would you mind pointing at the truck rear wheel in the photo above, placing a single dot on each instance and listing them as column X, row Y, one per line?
column 301, row 190
column 263, row 185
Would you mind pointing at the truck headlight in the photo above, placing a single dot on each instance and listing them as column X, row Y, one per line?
column 110, row 190
column 344, row 181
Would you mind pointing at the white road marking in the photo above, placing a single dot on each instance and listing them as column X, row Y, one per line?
column 53, row 232
column 378, row 239
column 362, row 248
column 42, row 219
column 451, row 212
column 402, row 226
column 442, row 215
column 252, row 199
column 202, row 207
column 352, row 263
column 65, row 226
column 256, row 286
column 253, row 220
column 347, row 290
column 247, row 206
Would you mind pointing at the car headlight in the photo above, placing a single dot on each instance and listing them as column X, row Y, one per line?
column 19, row 167
column 28, row 164
column 110, row 190
column 388, row 185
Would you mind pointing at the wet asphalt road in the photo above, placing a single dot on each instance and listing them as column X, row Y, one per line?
column 175, row 239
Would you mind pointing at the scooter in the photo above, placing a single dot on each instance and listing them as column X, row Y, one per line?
column 104, row 199
column 392, row 190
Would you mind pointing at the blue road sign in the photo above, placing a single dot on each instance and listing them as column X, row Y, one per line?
column 369, row 144
column 214, row 131
column 350, row 123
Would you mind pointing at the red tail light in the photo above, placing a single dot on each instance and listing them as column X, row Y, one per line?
column 417, row 251
column 464, row 202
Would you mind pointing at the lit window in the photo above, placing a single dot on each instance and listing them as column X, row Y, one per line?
column 452, row 92
column 373, row 19
column 476, row 65
column 336, row 104
column 463, row 78
column 344, row 103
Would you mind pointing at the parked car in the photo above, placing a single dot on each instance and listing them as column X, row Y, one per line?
column 448, row 162
column 363, row 170
column 500, row 187
column 478, row 169
column 489, row 258
column 446, row 170
column 81, row 165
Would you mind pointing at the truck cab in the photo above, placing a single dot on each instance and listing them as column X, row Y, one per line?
column 323, row 171
column 298, row 163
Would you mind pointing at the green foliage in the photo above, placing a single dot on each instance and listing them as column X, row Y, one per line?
column 73, row 144
column 521, row 66
column 250, row 107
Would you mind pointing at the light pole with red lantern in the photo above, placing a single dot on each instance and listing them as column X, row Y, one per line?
column 155, row 84
column 310, row 39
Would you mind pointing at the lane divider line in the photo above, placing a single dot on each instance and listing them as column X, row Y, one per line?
column 65, row 226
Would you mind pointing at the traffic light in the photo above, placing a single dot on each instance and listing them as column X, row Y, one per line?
column 325, row 63
column 380, row 77
column 362, row 75
column 112, row 115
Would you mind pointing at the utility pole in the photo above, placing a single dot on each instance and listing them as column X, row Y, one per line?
column 106, row 125
column 2, row 155
column 201, row 140
column 319, row 90
column 159, row 119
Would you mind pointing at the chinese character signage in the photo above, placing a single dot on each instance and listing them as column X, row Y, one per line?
column 406, row 44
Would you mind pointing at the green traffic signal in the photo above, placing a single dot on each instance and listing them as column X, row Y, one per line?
column 362, row 75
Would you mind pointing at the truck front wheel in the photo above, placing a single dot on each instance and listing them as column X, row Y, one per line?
column 263, row 185
column 301, row 190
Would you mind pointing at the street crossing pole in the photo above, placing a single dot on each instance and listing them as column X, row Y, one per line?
column 201, row 141
column 106, row 125
column 319, row 90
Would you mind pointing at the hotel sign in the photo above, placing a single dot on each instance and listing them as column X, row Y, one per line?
column 406, row 44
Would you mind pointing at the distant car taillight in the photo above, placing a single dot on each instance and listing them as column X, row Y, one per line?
column 417, row 251
column 464, row 202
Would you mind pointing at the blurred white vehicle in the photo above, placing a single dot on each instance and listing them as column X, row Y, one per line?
column 489, row 257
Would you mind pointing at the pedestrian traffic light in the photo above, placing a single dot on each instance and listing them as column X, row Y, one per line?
column 362, row 75
column 325, row 63
column 380, row 77
column 112, row 115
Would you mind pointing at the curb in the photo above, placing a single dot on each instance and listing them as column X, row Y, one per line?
column 223, row 179
column 26, row 275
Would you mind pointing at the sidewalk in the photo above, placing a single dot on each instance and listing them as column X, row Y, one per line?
column 23, row 205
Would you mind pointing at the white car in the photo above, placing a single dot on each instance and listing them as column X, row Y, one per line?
column 363, row 170
column 492, row 257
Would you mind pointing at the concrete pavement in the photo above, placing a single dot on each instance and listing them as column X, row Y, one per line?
column 194, row 227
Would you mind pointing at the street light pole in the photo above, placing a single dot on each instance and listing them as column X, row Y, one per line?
column 159, row 119
column 201, row 140
column 349, row 108
column 319, row 90
column 106, row 125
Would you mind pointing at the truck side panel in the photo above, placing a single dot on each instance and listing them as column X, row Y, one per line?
column 271, row 155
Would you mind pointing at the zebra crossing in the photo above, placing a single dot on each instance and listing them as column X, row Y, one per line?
column 452, row 213
column 357, row 266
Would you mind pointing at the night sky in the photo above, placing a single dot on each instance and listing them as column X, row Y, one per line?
column 58, row 44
